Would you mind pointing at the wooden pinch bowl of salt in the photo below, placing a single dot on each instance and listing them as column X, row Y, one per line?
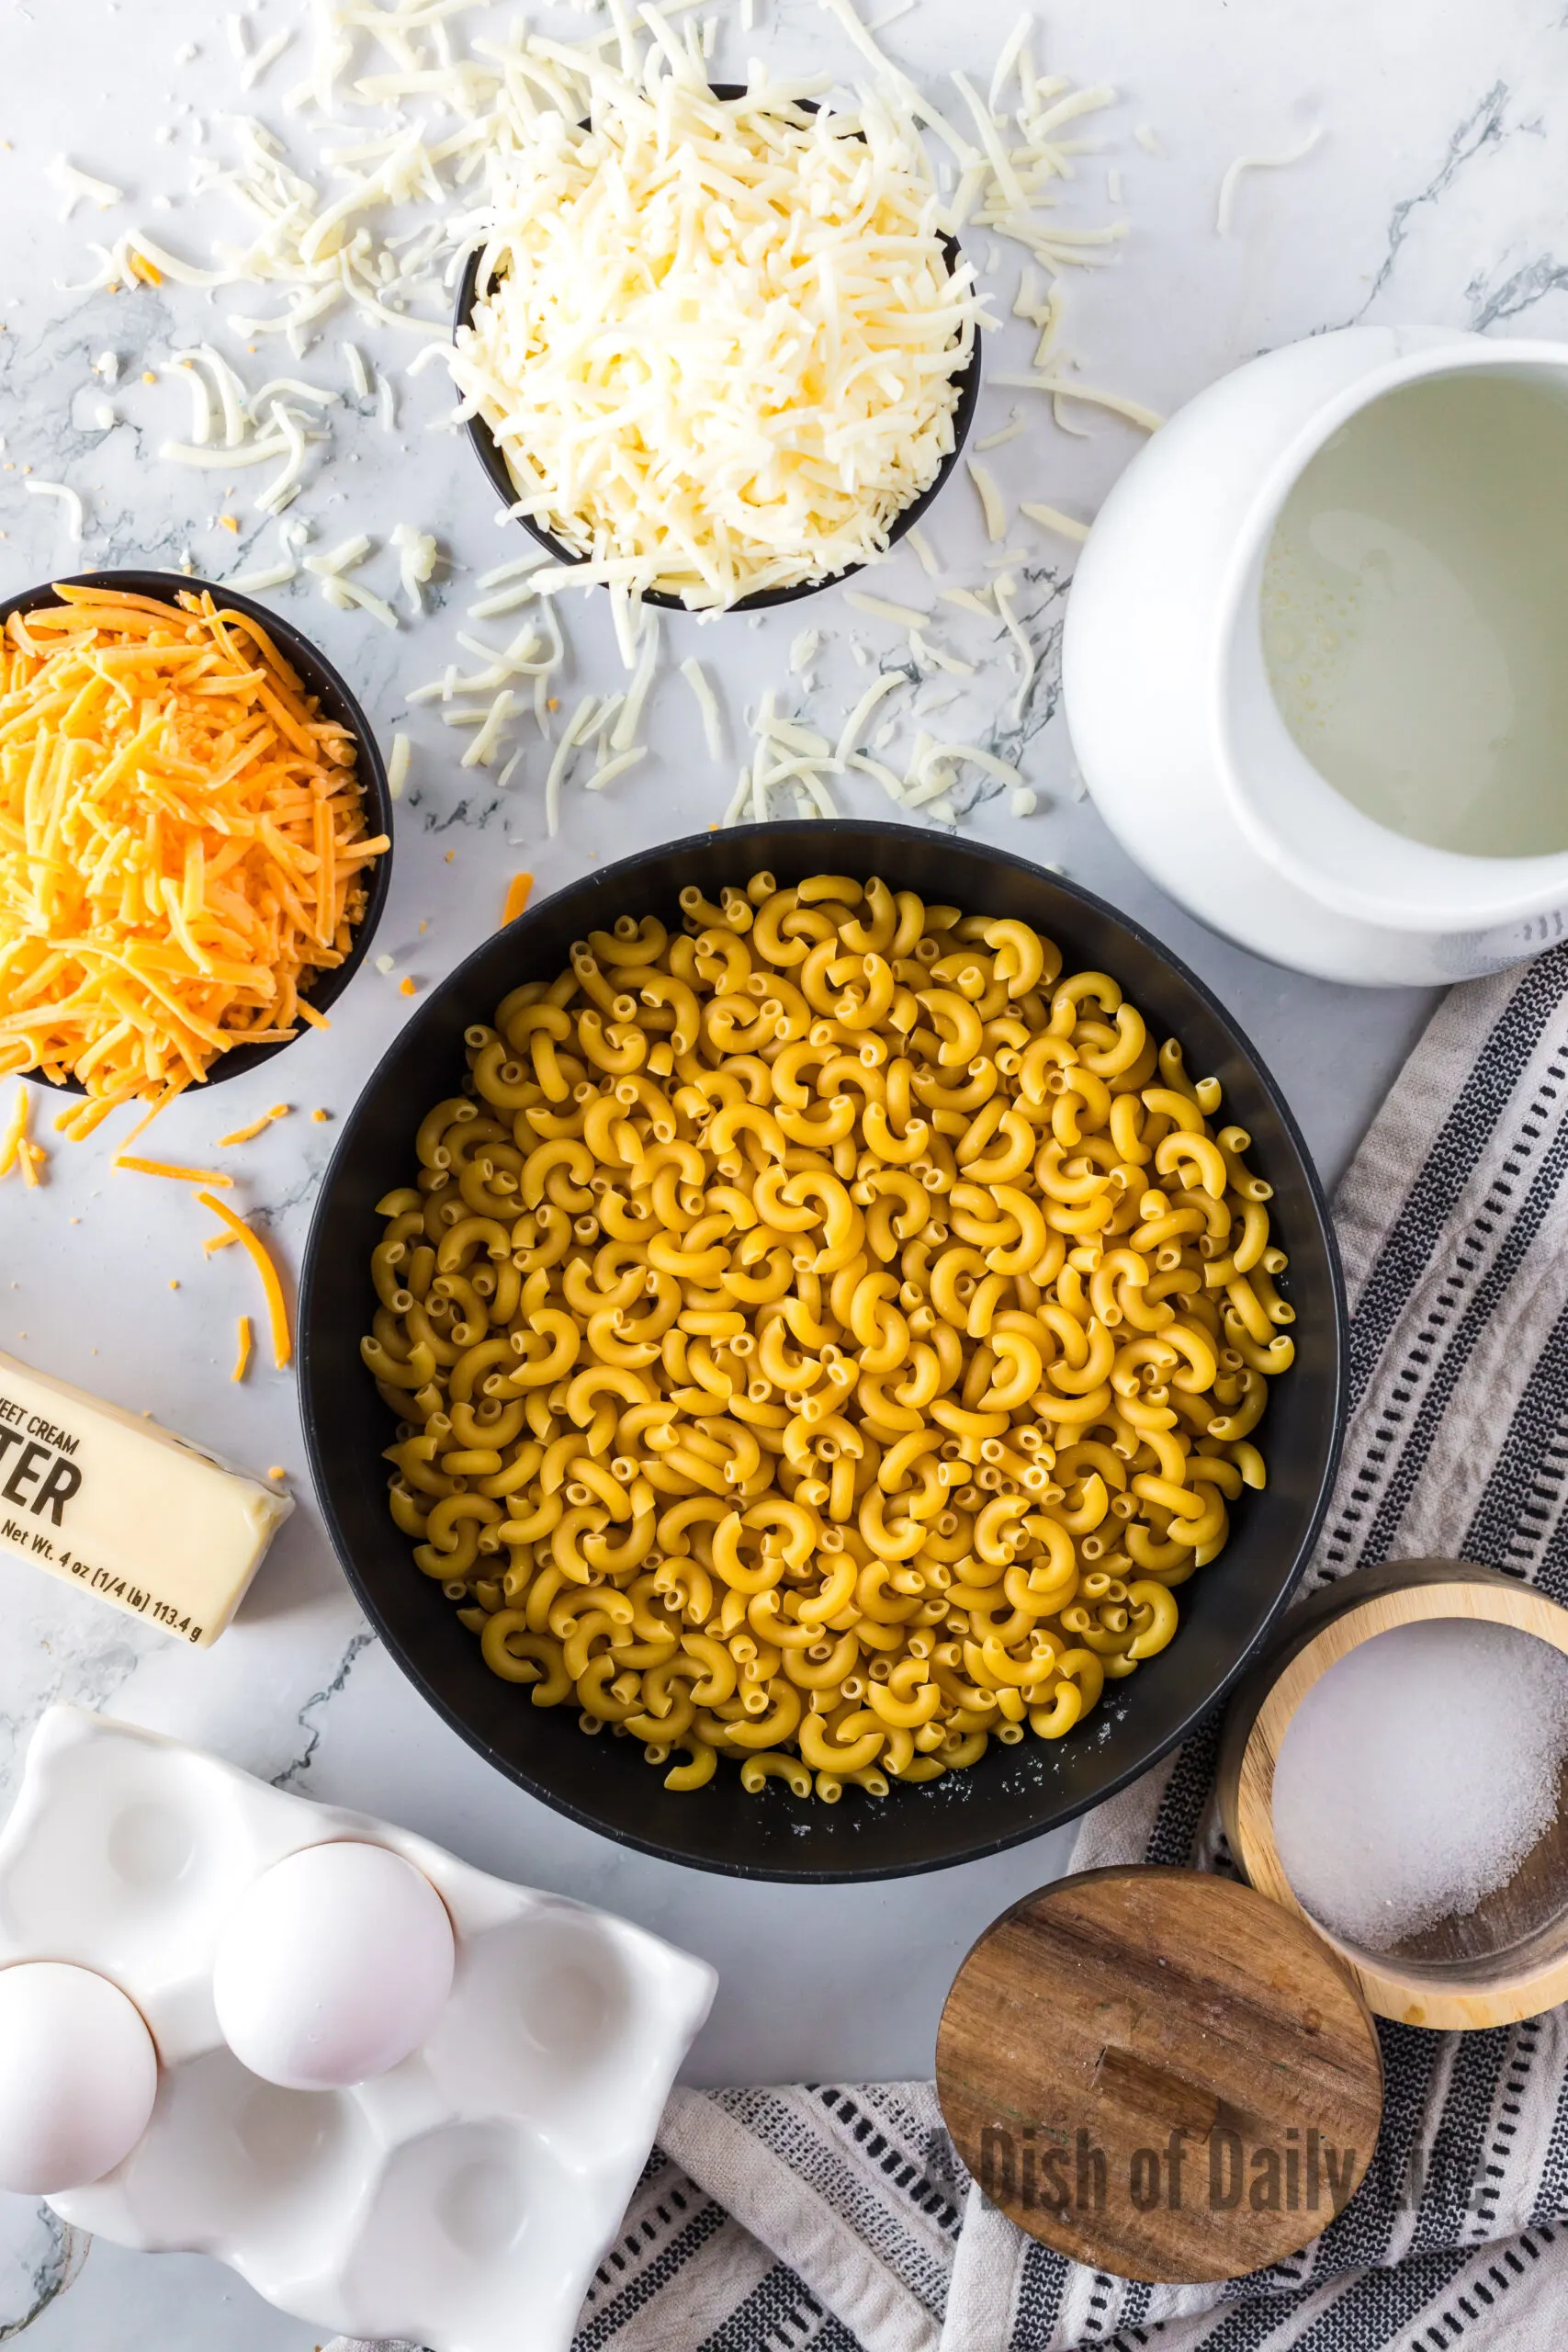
column 1396, row 1774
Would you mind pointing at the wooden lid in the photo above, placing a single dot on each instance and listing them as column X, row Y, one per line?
column 1160, row 2073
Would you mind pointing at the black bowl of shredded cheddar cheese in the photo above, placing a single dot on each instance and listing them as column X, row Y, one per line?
column 217, row 850
column 725, row 1419
column 691, row 332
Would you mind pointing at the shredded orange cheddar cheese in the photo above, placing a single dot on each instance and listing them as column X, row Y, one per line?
column 13, row 1134
column 517, row 893
column 277, row 1313
column 181, row 845
column 242, row 1358
column 248, row 1135
column 167, row 1168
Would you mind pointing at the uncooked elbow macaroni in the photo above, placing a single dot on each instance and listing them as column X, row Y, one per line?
column 823, row 1337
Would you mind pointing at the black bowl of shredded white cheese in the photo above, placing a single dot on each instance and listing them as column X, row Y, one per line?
column 933, row 456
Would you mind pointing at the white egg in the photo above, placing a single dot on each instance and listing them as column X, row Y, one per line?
column 334, row 1965
column 78, row 2076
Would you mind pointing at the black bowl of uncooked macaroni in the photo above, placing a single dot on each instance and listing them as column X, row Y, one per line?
column 822, row 1351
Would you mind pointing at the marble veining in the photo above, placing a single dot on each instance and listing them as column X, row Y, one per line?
column 1433, row 195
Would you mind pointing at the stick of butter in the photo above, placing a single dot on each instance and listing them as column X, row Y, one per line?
column 126, row 1510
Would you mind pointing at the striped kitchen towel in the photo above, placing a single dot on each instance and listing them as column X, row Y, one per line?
column 824, row 2220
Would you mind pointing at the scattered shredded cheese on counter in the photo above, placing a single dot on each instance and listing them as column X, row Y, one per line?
column 1066, row 387
column 70, row 499
column 878, row 607
column 243, row 1350
column 1051, row 518
column 925, row 554
column 14, row 1133
column 707, row 704
column 1232, row 181
column 167, row 1168
column 248, row 1135
column 1019, row 635
column 855, row 725
column 991, row 499
column 417, row 558
column 383, row 218
column 75, row 185
column 272, row 1288
column 517, row 894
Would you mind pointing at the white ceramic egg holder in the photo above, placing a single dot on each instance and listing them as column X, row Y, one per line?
column 464, row 2198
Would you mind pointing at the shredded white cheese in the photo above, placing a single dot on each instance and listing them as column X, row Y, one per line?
column 879, row 609
column 1244, row 164
column 505, row 600
column 1020, row 635
column 934, row 764
column 397, row 766
column 78, row 186
column 343, row 558
column 273, row 575
column 283, row 488
column 269, row 53
column 1051, row 518
column 990, row 498
column 891, row 783
column 577, row 727
column 483, row 750
column 515, row 568
column 797, row 334
column 630, row 719
column 925, row 553
column 70, row 499
column 855, row 724
column 924, row 651
column 200, row 401
column 417, row 557
column 707, row 703
column 608, row 770
column 1064, row 387
column 339, row 590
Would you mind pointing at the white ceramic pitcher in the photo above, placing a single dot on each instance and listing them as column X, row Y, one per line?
column 1170, row 712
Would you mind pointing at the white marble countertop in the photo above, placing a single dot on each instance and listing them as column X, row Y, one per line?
column 1433, row 195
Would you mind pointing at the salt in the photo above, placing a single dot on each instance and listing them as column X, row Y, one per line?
column 1417, row 1774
